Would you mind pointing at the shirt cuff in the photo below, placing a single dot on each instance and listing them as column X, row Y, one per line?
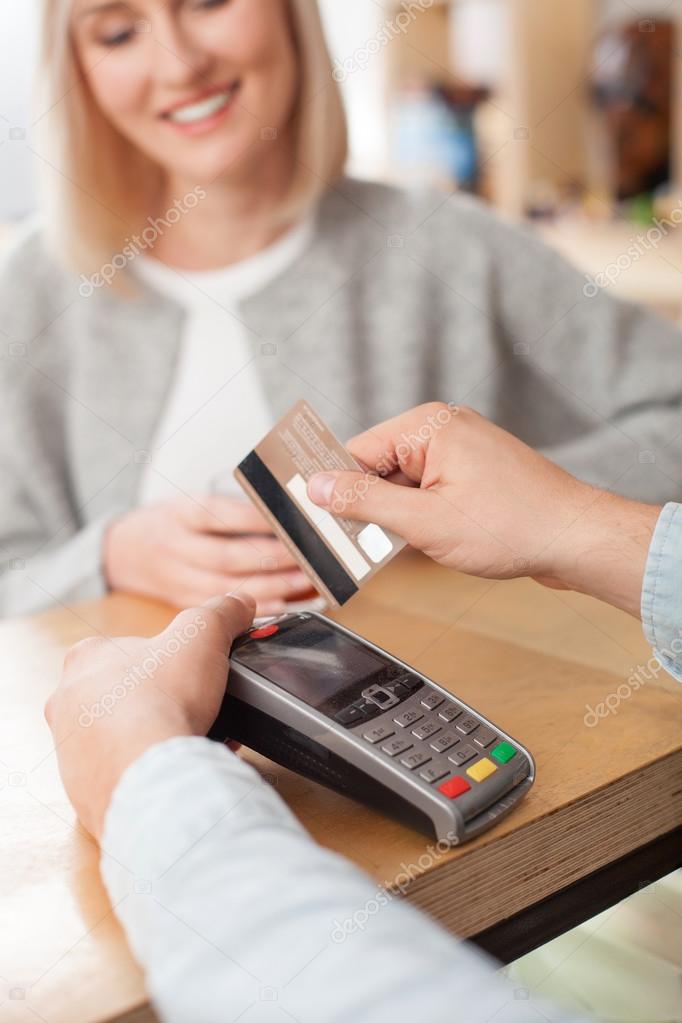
column 662, row 591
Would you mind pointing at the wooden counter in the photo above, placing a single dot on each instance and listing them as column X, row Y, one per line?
column 531, row 659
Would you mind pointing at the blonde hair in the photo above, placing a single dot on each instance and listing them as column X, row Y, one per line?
column 98, row 187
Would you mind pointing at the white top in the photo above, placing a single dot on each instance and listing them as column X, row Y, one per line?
column 216, row 411
column 235, row 913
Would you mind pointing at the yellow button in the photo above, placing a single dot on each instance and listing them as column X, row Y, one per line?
column 481, row 770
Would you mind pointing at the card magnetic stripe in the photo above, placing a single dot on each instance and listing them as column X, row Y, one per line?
column 297, row 527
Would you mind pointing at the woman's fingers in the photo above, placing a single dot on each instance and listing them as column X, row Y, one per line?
column 194, row 586
column 239, row 556
column 216, row 513
column 276, row 586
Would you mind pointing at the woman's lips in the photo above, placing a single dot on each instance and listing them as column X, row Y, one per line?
column 204, row 114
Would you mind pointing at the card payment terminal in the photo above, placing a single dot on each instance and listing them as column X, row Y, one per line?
column 318, row 699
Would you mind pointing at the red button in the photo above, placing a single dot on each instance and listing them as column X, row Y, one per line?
column 264, row 632
column 454, row 787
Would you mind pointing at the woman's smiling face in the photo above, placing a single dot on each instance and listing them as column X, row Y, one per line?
column 197, row 85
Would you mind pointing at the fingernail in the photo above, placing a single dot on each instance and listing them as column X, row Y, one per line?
column 244, row 598
column 243, row 595
column 321, row 488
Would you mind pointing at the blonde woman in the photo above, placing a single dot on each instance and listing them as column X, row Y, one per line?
column 202, row 262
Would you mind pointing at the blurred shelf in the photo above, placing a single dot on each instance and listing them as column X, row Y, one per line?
column 541, row 129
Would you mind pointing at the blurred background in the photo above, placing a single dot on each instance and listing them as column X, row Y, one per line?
column 567, row 113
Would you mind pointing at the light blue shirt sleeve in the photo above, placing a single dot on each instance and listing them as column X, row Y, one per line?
column 236, row 914
column 662, row 591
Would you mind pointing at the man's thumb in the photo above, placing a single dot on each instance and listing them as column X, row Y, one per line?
column 368, row 498
column 220, row 620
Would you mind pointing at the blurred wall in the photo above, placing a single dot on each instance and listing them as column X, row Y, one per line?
column 17, row 165
column 350, row 26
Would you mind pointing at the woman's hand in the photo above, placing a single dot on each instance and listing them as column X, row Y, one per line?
column 185, row 551
column 475, row 498
column 118, row 697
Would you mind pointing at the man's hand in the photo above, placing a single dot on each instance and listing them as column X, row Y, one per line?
column 117, row 697
column 475, row 498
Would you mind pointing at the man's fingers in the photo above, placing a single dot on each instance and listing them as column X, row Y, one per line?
column 367, row 498
column 218, row 620
column 223, row 602
column 235, row 609
column 401, row 442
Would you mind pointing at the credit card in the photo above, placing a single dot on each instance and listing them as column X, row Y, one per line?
column 338, row 555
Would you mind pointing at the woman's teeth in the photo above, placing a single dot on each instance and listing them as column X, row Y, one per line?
column 205, row 108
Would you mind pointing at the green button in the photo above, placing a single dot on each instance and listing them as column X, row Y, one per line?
column 504, row 752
